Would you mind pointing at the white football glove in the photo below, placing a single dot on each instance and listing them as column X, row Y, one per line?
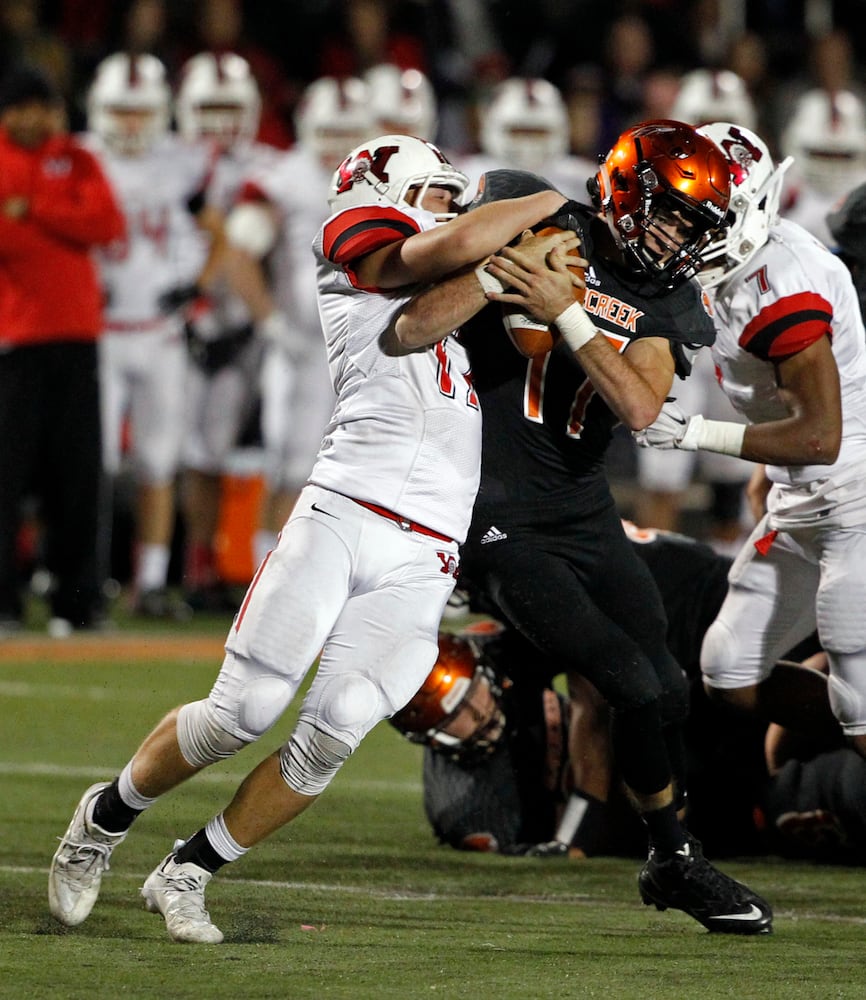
column 276, row 329
column 671, row 429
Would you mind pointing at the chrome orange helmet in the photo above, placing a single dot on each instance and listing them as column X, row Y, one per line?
column 664, row 190
column 458, row 708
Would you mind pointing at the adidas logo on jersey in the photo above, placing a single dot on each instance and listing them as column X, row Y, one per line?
column 591, row 278
column 493, row 534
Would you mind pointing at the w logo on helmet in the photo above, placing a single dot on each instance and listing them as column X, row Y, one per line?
column 356, row 167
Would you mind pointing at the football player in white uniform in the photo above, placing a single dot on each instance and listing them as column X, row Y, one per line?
column 366, row 562
column 160, row 181
column 270, row 231
column 791, row 349
column 218, row 101
column 524, row 125
column 825, row 136
column 403, row 101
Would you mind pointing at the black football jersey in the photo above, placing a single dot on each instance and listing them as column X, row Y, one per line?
column 543, row 422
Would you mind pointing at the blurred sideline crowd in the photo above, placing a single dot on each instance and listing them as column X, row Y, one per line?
column 218, row 124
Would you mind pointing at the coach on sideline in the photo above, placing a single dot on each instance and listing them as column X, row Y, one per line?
column 55, row 205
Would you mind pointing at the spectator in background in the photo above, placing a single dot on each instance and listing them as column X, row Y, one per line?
column 220, row 27
column 370, row 32
column 628, row 54
column 55, row 206
column 24, row 38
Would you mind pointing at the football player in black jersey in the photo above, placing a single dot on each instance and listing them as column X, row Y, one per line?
column 495, row 770
column 546, row 541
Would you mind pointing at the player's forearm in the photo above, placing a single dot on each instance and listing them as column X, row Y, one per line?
column 436, row 252
column 247, row 280
column 793, row 441
column 635, row 399
column 440, row 309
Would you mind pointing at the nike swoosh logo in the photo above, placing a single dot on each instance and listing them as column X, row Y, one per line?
column 753, row 914
column 319, row 510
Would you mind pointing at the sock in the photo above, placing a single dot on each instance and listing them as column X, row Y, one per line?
column 666, row 834
column 152, row 567
column 117, row 806
column 211, row 847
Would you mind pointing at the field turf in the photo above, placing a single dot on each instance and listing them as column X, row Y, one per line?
column 355, row 899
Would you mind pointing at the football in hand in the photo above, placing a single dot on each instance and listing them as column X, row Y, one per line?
column 530, row 337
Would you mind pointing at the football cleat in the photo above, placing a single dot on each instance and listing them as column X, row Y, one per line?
column 80, row 862
column 177, row 892
column 688, row 882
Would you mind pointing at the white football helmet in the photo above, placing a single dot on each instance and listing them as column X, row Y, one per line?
column 218, row 98
column 129, row 102
column 826, row 136
column 403, row 100
column 708, row 95
column 382, row 171
column 525, row 124
column 756, row 186
column 333, row 116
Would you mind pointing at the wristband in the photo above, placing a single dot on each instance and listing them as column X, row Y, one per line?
column 575, row 326
column 722, row 436
column 487, row 281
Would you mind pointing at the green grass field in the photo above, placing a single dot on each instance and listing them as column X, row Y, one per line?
column 355, row 899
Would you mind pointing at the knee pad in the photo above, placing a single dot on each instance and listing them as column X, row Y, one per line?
column 848, row 703
column 201, row 739
column 346, row 709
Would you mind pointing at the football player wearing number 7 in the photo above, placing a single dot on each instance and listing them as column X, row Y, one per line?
column 546, row 542
column 367, row 560
column 790, row 353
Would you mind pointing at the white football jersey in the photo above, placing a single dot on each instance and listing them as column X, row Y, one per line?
column 406, row 429
column 794, row 291
column 163, row 248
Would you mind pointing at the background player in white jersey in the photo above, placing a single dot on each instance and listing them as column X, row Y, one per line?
column 270, row 231
column 367, row 560
column 160, row 180
column 403, row 101
column 218, row 101
column 524, row 125
column 663, row 477
column 791, row 349
column 825, row 136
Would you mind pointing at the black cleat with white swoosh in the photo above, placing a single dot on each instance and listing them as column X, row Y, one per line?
column 688, row 882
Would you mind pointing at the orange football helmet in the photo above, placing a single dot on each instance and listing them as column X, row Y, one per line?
column 458, row 708
column 664, row 190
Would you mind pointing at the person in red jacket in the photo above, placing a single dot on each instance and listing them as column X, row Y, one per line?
column 55, row 206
